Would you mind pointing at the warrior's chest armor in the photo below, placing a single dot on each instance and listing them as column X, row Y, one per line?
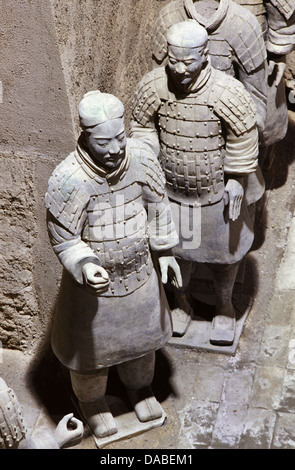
column 192, row 149
column 115, row 229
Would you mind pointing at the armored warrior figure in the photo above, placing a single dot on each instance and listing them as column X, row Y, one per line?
column 107, row 209
column 202, row 124
column 236, row 45
column 14, row 433
column 277, row 21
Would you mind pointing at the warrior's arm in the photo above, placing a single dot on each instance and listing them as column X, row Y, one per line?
column 146, row 103
column 256, row 84
column 72, row 252
column 281, row 27
column 240, row 161
column 146, row 133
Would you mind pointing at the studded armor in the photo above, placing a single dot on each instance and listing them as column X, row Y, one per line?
column 12, row 428
column 109, row 215
column 191, row 132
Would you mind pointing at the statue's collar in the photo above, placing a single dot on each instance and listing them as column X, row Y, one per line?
column 83, row 154
column 211, row 23
column 202, row 79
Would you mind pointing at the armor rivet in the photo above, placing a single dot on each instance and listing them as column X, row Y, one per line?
column 208, row 189
column 205, row 123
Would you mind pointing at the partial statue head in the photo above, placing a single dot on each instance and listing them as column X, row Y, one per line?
column 102, row 120
column 187, row 44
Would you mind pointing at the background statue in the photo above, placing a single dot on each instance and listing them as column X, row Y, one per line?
column 14, row 434
column 107, row 209
column 277, row 21
column 235, row 43
column 202, row 124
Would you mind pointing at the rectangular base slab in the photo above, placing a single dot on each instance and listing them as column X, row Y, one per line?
column 198, row 333
column 127, row 423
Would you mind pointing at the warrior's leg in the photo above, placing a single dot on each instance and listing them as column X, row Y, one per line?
column 181, row 310
column 224, row 323
column 90, row 389
column 137, row 376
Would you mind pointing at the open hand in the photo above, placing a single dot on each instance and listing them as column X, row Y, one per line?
column 167, row 262
column 234, row 193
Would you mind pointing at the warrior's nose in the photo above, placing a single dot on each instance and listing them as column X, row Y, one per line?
column 180, row 68
column 114, row 149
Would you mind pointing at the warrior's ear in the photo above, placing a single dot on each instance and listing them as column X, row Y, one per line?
column 206, row 51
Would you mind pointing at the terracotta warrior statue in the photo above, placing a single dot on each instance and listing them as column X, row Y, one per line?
column 202, row 124
column 235, row 42
column 277, row 21
column 14, row 433
column 107, row 213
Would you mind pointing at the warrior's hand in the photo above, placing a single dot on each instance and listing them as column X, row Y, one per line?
column 276, row 71
column 96, row 279
column 69, row 431
column 169, row 264
column 234, row 193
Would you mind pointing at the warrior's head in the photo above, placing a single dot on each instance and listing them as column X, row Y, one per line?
column 187, row 44
column 102, row 121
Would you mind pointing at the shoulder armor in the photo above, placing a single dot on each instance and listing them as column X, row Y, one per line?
column 69, row 189
column 149, row 171
column 245, row 38
column 232, row 103
column 146, row 99
column 285, row 7
column 172, row 13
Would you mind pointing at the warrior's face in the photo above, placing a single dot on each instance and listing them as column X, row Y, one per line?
column 107, row 143
column 185, row 64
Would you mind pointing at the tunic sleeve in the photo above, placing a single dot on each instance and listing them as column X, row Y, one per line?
column 241, row 152
column 71, row 251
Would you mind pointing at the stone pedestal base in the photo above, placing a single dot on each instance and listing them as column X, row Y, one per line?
column 127, row 422
column 198, row 333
